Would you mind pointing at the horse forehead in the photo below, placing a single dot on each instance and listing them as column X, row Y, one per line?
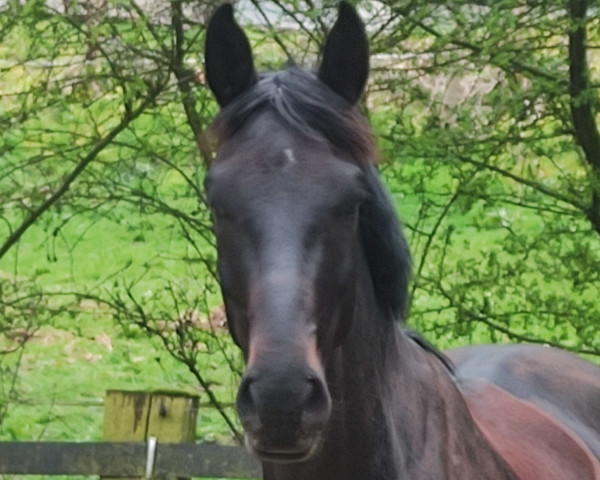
column 286, row 171
column 269, row 164
column 268, row 139
column 278, row 154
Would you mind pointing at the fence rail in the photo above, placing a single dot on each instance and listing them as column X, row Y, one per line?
column 127, row 459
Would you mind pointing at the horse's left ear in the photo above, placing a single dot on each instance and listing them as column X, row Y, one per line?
column 345, row 64
column 228, row 57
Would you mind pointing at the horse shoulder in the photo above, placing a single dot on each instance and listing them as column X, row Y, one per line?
column 560, row 385
column 533, row 443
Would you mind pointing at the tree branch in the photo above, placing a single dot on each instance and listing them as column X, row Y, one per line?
column 582, row 104
column 72, row 176
column 184, row 79
column 516, row 65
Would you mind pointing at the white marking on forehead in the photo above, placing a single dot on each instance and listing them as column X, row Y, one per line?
column 289, row 154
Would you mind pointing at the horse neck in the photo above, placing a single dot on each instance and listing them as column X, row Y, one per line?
column 396, row 413
column 403, row 416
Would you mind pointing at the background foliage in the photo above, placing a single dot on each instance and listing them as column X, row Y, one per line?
column 487, row 119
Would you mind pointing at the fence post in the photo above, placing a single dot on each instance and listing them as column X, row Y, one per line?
column 172, row 417
column 133, row 416
column 126, row 416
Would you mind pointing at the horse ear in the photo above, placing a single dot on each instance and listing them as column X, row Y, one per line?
column 345, row 64
column 228, row 57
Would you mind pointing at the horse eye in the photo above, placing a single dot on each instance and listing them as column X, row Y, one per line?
column 221, row 215
column 347, row 210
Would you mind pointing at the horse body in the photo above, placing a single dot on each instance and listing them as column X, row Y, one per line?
column 541, row 392
column 314, row 271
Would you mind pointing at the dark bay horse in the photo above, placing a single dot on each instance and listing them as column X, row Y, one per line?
column 314, row 271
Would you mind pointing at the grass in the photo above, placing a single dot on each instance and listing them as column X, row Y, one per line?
column 63, row 376
column 73, row 359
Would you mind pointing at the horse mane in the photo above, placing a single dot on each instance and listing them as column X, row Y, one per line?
column 428, row 347
column 312, row 108
column 386, row 248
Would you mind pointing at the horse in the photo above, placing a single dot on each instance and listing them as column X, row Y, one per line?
column 314, row 271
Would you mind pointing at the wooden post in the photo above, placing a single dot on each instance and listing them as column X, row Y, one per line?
column 137, row 416
column 126, row 416
column 172, row 417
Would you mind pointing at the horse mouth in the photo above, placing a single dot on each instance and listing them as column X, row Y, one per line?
column 281, row 455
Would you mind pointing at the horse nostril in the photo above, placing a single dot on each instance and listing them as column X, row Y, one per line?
column 317, row 397
column 245, row 402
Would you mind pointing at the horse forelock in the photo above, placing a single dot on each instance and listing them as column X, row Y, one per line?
column 306, row 105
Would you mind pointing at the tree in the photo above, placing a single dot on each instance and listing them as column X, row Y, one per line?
column 497, row 106
column 101, row 129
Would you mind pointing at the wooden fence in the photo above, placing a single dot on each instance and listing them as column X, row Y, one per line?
column 112, row 459
column 147, row 435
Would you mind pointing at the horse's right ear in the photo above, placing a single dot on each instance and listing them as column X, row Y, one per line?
column 345, row 64
column 228, row 57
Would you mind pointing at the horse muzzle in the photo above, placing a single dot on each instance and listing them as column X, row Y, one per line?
column 284, row 411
